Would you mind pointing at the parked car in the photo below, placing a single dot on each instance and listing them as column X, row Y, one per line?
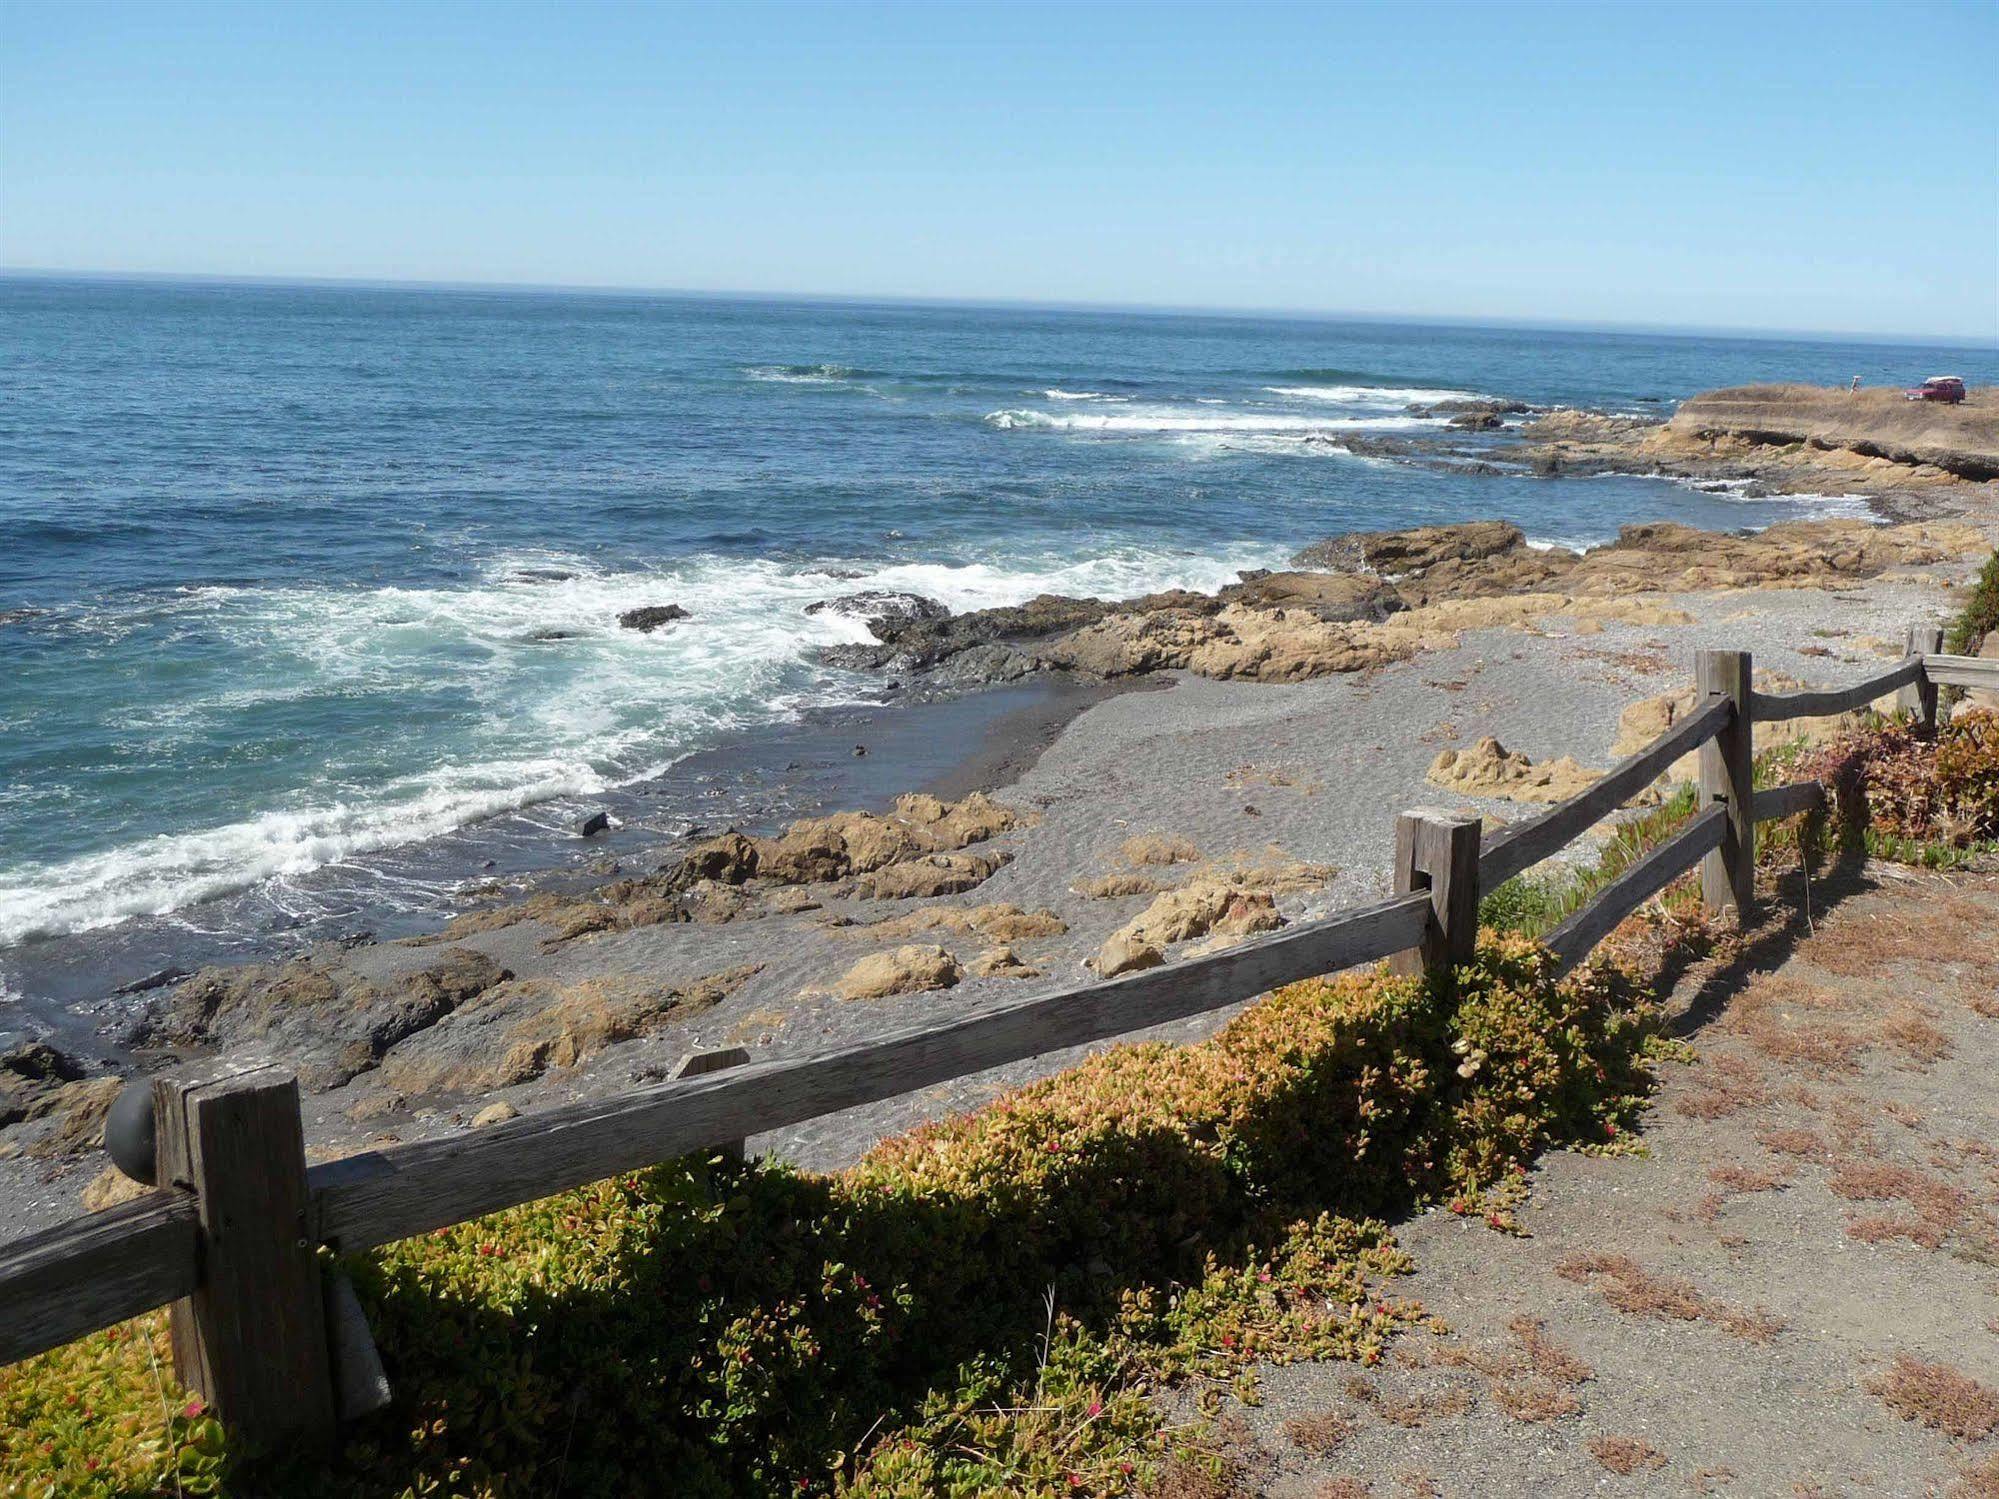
column 1946, row 388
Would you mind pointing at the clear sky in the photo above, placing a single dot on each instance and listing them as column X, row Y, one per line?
column 1815, row 167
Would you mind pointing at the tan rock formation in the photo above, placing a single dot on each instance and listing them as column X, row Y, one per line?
column 1158, row 848
column 1489, row 769
column 1001, row 963
column 904, row 970
column 1194, row 910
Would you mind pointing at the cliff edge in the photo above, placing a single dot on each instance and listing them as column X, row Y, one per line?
column 1962, row 439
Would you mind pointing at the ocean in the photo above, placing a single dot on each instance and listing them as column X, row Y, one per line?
column 309, row 595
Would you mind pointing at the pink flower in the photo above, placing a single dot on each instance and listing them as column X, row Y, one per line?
column 193, row 1409
column 1096, row 1407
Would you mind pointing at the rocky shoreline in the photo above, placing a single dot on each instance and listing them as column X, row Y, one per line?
column 1158, row 825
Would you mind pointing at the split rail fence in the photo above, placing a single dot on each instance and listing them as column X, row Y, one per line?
column 230, row 1239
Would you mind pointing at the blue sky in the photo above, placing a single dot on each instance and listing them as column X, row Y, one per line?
column 1821, row 167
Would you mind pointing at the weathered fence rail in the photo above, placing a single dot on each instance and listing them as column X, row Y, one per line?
column 229, row 1238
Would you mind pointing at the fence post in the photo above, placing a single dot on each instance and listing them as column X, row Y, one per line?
column 1436, row 849
column 700, row 1064
column 1920, row 696
column 1728, row 874
column 252, row 1339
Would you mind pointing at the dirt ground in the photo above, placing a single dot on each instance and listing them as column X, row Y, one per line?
column 1793, row 1292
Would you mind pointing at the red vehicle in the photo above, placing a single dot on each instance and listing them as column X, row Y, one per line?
column 1946, row 388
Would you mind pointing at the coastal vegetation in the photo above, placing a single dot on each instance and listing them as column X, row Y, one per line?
column 990, row 1303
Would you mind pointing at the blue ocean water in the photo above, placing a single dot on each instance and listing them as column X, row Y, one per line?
column 292, row 575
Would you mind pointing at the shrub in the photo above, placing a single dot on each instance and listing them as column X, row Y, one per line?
column 1906, row 795
column 1980, row 616
column 984, row 1305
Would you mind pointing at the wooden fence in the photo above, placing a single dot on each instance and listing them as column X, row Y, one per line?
column 231, row 1238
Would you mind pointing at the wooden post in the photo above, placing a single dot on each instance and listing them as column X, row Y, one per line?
column 1728, row 875
column 252, row 1338
column 1436, row 849
column 701, row 1063
column 1919, row 698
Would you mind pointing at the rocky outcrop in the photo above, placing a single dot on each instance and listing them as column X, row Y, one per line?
column 909, row 852
column 1206, row 907
column 651, row 617
column 1001, row 963
column 1394, row 554
column 53, row 1094
column 884, row 610
column 32, row 1074
column 1324, row 596
column 1489, row 769
column 1962, row 440
column 1780, row 439
column 1001, row 923
column 516, row 1031
column 904, row 970
column 1383, row 596
column 321, row 1015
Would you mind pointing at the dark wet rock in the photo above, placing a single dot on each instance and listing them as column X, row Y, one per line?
column 520, row 1030
column 540, row 637
column 1334, row 597
column 20, row 616
column 542, row 575
column 651, row 617
column 1472, row 406
column 592, row 823
column 884, row 610
column 31, row 1075
column 1395, row 553
column 327, row 1020
column 1477, row 421
column 922, row 644
column 156, row 980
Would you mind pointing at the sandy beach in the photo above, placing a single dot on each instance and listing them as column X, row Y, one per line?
column 1088, row 801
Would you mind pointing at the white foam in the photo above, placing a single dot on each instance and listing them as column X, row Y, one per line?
column 1173, row 419
column 798, row 374
column 1392, row 395
column 1081, row 395
column 555, row 718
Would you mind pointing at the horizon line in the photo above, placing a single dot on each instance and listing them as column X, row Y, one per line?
column 1025, row 304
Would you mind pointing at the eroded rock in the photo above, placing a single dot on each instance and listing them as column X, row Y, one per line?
column 1198, row 909
column 903, row 970
column 1488, row 768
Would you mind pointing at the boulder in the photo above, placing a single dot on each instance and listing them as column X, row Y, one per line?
column 31, row 1075
column 590, row 824
column 884, row 610
column 649, row 618
column 930, row 876
column 1124, row 953
column 1476, row 421
column 111, row 1188
column 1158, row 848
column 330, row 1021
column 1488, row 768
column 1415, row 550
column 903, row 970
column 522, row 1029
column 1326, row 596
column 1001, row 963
column 495, row 1113
column 1197, row 909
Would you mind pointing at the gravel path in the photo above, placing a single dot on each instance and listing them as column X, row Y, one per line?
column 1820, row 1199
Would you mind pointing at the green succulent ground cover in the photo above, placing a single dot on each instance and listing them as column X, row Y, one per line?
column 988, row 1304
